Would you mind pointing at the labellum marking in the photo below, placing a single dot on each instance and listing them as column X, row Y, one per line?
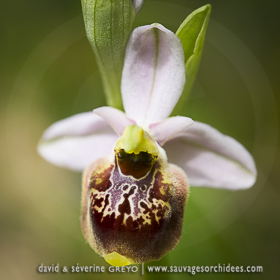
column 139, row 198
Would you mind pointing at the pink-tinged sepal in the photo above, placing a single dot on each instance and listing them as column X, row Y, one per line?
column 137, row 218
column 77, row 141
column 211, row 159
column 153, row 74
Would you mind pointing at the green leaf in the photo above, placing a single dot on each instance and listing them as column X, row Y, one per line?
column 192, row 34
column 108, row 25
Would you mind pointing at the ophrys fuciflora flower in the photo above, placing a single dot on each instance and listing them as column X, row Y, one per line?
column 133, row 194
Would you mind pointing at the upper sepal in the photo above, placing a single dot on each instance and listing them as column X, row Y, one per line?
column 153, row 74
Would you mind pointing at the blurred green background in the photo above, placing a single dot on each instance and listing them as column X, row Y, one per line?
column 48, row 72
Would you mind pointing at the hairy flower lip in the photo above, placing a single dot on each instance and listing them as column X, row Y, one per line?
column 139, row 231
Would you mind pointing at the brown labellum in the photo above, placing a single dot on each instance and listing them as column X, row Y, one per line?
column 133, row 205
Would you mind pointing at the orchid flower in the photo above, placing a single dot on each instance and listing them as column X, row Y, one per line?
column 139, row 164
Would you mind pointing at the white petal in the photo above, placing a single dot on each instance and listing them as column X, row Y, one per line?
column 77, row 141
column 153, row 75
column 211, row 159
column 169, row 128
column 137, row 4
column 115, row 118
